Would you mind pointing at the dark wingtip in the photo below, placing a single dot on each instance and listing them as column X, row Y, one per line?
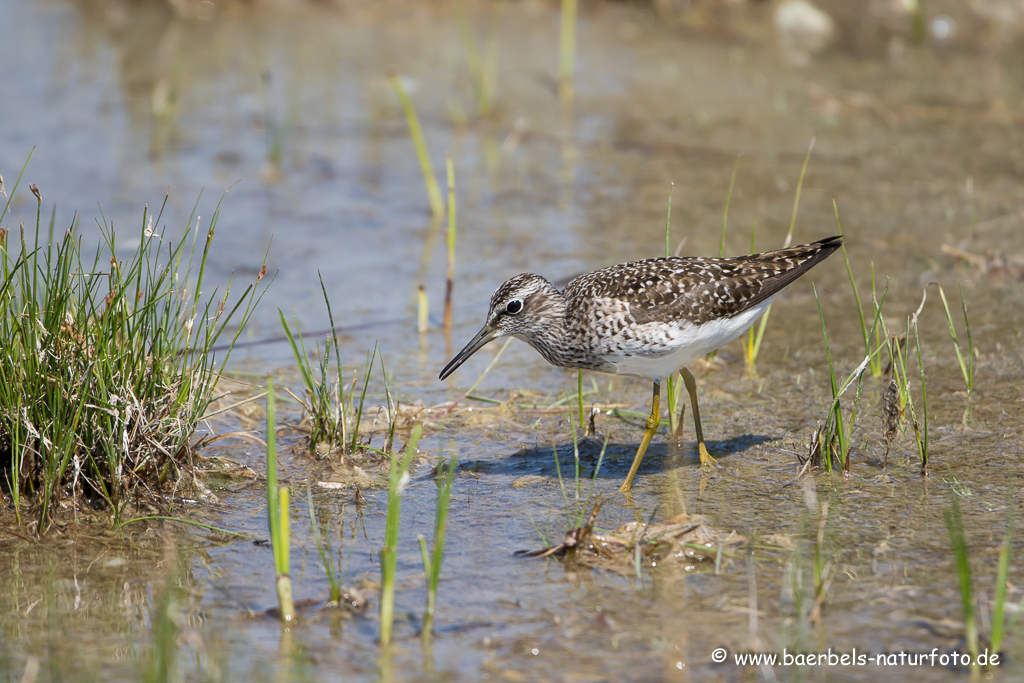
column 826, row 247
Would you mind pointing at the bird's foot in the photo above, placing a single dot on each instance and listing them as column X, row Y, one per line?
column 707, row 463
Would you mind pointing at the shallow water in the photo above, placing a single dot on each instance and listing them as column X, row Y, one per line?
column 919, row 148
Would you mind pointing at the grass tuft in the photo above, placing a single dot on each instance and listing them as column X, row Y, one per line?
column 108, row 366
column 833, row 441
column 334, row 419
column 899, row 353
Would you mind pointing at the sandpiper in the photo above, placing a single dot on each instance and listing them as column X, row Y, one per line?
column 647, row 318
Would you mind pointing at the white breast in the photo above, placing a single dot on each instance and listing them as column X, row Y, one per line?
column 661, row 350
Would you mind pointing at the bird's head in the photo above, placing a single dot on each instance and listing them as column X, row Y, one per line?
column 523, row 307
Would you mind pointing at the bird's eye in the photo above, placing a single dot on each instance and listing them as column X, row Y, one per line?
column 514, row 306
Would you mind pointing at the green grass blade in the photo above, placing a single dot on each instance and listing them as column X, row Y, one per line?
column 301, row 357
column 961, row 560
column 433, row 568
column 799, row 188
column 399, row 465
column 273, row 508
column 924, row 398
column 856, row 294
column 17, row 182
column 567, row 52
column 671, row 383
column 362, row 399
column 970, row 342
column 420, row 143
column 835, row 421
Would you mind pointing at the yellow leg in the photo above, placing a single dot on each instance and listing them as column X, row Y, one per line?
column 652, row 426
column 691, row 388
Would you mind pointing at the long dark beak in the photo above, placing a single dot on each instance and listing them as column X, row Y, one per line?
column 482, row 337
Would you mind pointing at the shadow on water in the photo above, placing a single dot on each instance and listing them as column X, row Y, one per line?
column 660, row 456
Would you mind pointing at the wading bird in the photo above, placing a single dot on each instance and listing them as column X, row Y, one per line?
column 647, row 318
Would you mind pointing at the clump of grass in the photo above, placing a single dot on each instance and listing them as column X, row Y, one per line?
column 899, row 355
column 832, row 442
column 898, row 401
column 108, row 365
column 277, row 515
column 567, row 52
column 334, row 418
column 432, row 560
column 419, row 141
column 965, row 357
column 397, row 479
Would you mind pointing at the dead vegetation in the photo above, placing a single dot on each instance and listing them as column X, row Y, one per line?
column 686, row 541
